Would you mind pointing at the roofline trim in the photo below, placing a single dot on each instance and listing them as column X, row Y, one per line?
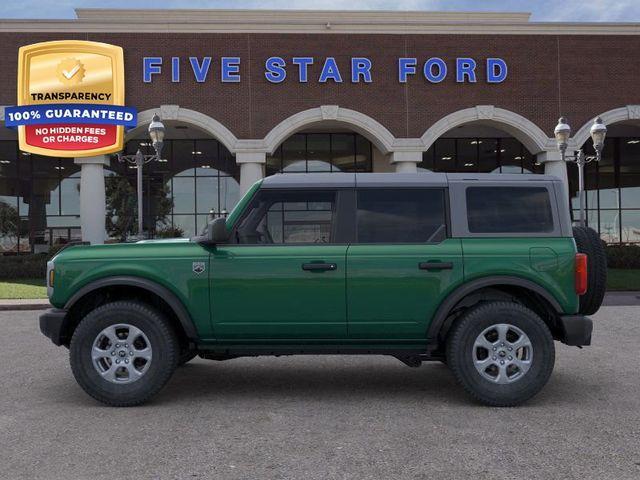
column 266, row 15
column 100, row 20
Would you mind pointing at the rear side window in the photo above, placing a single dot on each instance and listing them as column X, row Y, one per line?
column 509, row 210
column 401, row 215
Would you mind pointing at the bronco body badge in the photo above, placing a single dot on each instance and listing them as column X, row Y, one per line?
column 198, row 267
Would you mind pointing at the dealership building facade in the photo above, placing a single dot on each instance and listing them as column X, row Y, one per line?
column 244, row 94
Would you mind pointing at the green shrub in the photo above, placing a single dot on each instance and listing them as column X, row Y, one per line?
column 23, row 266
column 170, row 232
column 26, row 266
column 623, row 256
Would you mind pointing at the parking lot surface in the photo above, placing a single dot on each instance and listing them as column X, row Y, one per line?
column 322, row 418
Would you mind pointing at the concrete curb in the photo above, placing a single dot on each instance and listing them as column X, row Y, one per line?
column 24, row 304
column 612, row 299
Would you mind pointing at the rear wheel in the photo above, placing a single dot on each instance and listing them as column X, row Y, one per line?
column 502, row 353
column 122, row 353
column 588, row 242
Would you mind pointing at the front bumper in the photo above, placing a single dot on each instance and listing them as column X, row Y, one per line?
column 52, row 324
column 575, row 330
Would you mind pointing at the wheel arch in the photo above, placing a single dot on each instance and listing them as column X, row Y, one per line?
column 509, row 285
column 94, row 293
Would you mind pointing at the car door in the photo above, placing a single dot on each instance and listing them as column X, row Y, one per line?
column 285, row 276
column 402, row 264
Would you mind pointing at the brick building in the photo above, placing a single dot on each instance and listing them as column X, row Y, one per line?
column 251, row 93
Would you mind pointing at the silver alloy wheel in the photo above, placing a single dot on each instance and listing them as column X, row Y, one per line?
column 121, row 353
column 502, row 353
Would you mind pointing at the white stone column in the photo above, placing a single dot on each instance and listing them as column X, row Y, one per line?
column 251, row 168
column 92, row 198
column 553, row 165
column 406, row 162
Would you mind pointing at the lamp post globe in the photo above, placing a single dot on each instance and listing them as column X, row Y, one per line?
column 562, row 133
column 598, row 133
column 156, row 133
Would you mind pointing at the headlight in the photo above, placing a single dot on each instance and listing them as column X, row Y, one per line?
column 50, row 278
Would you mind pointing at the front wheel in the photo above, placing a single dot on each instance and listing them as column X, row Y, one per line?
column 502, row 353
column 122, row 353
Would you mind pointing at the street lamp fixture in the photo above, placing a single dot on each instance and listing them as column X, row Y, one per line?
column 598, row 132
column 562, row 133
column 156, row 133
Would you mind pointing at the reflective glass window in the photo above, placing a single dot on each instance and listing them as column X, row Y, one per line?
column 401, row 215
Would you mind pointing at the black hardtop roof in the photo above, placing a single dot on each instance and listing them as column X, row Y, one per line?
column 420, row 179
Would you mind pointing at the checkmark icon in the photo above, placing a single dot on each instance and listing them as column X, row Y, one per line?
column 71, row 73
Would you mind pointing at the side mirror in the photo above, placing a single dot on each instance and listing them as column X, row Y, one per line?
column 217, row 231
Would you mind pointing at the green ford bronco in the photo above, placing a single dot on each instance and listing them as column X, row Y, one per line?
column 482, row 272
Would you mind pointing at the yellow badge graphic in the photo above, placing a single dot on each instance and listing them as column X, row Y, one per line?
column 71, row 99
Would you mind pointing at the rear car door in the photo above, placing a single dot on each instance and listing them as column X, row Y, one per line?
column 285, row 276
column 402, row 264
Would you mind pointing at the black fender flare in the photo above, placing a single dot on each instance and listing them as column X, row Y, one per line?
column 462, row 291
column 163, row 292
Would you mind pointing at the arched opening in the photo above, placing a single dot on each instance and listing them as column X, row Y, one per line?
column 39, row 199
column 328, row 139
column 479, row 147
column 197, row 179
column 613, row 185
column 325, row 149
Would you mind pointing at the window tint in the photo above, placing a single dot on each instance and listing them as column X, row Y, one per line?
column 401, row 215
column 509, row 210
column 277, row 217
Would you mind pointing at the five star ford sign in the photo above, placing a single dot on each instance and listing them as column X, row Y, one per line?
column 71, row 99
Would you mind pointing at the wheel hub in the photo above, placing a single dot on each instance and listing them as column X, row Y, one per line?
column 121, row 353
column 502, row 353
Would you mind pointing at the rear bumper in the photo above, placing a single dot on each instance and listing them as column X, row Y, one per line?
column 576, row 330
column 52, row 323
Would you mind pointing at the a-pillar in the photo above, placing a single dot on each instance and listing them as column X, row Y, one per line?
column 251, row 168
column 406, row 162
column 92, row 198
column 553, row 165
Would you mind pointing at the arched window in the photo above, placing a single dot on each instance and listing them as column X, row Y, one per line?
column 196, row 179
column 479, row 154
column 322, row 152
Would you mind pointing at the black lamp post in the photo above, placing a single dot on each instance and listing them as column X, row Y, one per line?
column 156, row 133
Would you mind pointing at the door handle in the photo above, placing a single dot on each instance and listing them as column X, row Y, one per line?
column 435, row 265
column 319, row 267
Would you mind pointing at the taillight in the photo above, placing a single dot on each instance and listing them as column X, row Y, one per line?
column 581, row 273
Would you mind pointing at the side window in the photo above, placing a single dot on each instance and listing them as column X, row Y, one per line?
column 401, row 215
column 280, row 217
column 509, row 210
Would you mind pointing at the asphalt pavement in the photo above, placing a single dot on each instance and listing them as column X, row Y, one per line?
column 322, row 418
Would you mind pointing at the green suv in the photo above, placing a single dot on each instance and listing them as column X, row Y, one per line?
column 480, row 271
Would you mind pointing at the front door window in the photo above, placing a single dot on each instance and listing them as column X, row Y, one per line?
column 289, row 218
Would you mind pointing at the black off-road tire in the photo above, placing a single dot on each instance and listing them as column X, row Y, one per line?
column 588, row 242
column 460, row 347
column 164, row 344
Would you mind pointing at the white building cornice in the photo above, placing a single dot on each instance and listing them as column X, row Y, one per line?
column 311, row 21
column 265, row 16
